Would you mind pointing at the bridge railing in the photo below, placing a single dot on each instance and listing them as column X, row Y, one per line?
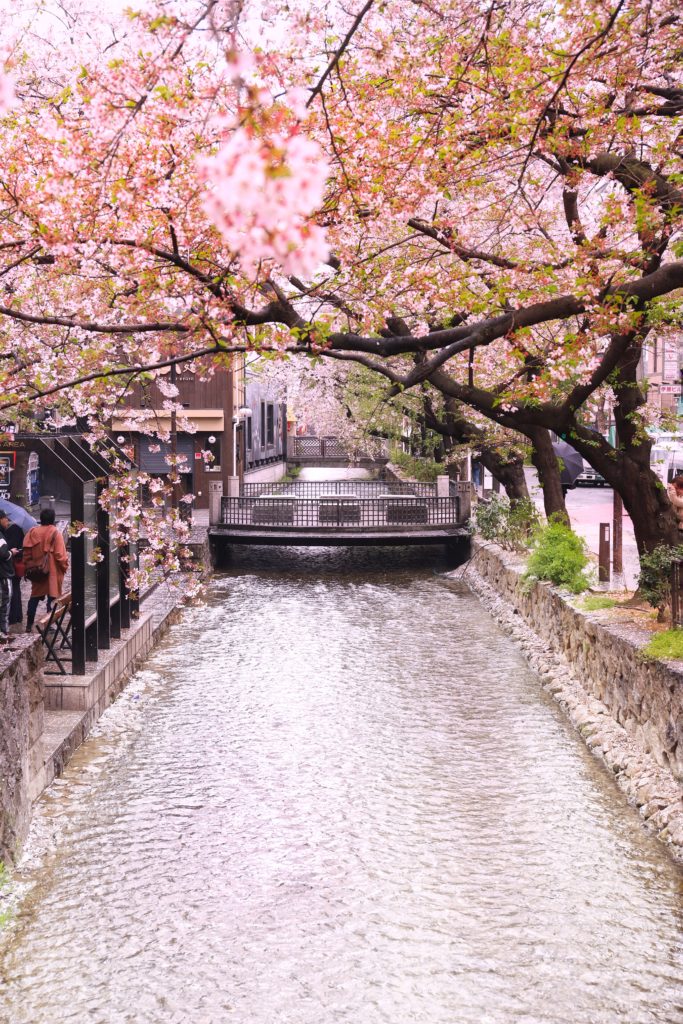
column 333, row 448
column 345, row 511
column 325, row 488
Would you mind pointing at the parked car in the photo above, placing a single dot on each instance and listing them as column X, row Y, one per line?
column 590, row 477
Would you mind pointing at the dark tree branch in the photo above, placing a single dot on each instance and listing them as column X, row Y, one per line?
column 339, row 52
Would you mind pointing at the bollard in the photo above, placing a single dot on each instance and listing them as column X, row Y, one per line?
column 603, row 553
column 215, row 496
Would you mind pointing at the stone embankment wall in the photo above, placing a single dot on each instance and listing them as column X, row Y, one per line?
column 22, row 704
column 628, row 710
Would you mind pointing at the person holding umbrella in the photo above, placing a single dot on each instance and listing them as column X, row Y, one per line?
column 571, row 465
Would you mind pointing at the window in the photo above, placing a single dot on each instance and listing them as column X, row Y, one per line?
column 249, row 444
column 215, row 448
column 263, row 423
column 270, row 433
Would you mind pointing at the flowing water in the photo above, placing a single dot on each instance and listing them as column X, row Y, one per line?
column 336, row 793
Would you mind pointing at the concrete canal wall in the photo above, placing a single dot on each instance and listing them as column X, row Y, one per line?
column 628, row 710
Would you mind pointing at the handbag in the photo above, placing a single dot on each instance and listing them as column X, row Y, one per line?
column 40, row 572
column 19, row 567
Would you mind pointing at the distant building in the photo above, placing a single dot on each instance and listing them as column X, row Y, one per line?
column 208, row 406
column 660, row 365
column 237, row 429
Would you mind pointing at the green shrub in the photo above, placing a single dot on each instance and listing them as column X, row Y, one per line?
column 667, row 645
column 654, row 581
column 489, row 518
column 510, row 525
column 560, row 557
column 425, row 471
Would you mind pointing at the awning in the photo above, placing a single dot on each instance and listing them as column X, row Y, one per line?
column 206, row 420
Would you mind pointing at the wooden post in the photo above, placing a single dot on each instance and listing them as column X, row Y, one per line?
column 603, row 553
column 617, row 533
column 676, row 594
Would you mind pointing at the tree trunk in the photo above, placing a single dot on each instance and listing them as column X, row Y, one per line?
column 510, row 473
column 456, row 429
column 545, row 462
column 627, row 468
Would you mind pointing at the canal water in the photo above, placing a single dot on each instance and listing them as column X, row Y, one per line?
column 336, row 793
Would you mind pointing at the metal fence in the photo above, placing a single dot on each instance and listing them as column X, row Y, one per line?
column 333, row 448
column 390, row 510
column 677, row 594
column 314, row 489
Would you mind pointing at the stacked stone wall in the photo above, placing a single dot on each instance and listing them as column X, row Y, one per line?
column 629, row 710
column 21, row 726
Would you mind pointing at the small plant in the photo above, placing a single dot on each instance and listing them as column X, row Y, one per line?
column 666, row 646
column 560, row 557
column 509, row 524
column 654, row 581
column 489, row 518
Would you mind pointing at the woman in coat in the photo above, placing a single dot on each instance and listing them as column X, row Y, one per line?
column 39, row 540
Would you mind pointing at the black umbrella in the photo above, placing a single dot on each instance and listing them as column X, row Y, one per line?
column 571, row 465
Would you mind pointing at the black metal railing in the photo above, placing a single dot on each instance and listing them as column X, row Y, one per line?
column 677, row 594
column 314, row 489
column 389, row 511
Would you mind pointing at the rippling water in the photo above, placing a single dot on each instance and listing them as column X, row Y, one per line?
column 337, row 794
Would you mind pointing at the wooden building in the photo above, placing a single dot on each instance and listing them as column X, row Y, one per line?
column 208, row 407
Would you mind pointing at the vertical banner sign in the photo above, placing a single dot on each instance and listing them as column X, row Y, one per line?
column 33, row 479
column 7, row 464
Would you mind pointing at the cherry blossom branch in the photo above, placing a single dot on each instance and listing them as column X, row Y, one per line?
column 94, row 326
column 339, row 52
column 564, row 79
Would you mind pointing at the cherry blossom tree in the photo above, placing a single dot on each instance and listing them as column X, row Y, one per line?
column 486, row 198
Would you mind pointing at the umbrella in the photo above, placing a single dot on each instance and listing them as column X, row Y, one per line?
column 572, row 463
column 18, row 515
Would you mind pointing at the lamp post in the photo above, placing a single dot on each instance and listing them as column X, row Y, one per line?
column 243, row 413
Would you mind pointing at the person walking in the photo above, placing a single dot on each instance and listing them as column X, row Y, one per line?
column 6, row 576
column 14, row 535
column 41, row 541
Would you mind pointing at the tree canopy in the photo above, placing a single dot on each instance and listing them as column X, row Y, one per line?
column 481, row 198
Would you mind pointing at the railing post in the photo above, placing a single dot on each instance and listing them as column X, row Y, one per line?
column 443, row 487
column 215, row 498
column 603, row 553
